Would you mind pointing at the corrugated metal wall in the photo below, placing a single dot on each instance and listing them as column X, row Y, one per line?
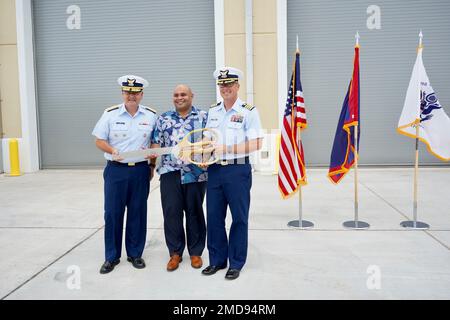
column 165, row 41
column 326, row 31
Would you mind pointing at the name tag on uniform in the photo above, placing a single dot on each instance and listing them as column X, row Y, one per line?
column 214, row 122
column 119, row 125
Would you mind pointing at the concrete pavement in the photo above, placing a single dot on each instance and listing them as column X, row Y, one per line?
column 51, row 242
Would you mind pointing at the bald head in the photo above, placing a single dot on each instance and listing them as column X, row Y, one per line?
column 183, row 87
column 182, row 98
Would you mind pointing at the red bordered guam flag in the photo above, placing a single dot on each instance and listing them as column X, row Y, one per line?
column 343, row 153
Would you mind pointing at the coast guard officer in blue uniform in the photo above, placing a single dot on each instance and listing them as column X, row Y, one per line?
column 126, row 127
column 230, row 179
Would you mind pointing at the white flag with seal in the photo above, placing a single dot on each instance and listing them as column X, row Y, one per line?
column 422, row 107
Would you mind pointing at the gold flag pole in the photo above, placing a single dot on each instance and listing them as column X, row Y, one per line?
column 356, row 176
column 300, row 200
column 414, row 224
column 300, row 223
column 356, row 224
column 300, row 203
column 416, row 172
column 356, row 159
column 416, row 164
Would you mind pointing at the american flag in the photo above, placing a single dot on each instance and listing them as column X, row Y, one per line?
column 292, row 171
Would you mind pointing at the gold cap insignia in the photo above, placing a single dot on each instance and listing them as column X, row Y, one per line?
column 223, row 74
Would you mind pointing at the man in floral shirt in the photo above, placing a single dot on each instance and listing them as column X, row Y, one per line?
column 183, row 185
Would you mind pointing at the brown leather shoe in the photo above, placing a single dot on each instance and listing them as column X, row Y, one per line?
column 196, row 262
column 174, row 262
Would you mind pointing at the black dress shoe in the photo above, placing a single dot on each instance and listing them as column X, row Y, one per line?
column 210, row 270
column 232, row 274
column 108, row 266
column 138, row 263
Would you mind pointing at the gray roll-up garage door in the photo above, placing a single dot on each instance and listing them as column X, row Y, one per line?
column 326, row 31
column 165, row 41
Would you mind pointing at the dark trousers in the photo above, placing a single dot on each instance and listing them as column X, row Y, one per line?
column 125, row 187
column 177, row 198
column 228, row 186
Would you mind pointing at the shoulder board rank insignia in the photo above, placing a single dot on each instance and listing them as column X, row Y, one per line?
column 112, row 108
column 151, row 110
column 248, row 106
column 215, row 104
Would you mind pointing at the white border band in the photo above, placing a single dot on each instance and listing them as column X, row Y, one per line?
column 281, row 57
column 27, row 90
column 219, row 28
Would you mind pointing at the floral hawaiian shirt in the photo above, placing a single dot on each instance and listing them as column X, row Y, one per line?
column 169, row 131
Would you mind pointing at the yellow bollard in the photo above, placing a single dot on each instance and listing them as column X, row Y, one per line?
column 14, row 158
